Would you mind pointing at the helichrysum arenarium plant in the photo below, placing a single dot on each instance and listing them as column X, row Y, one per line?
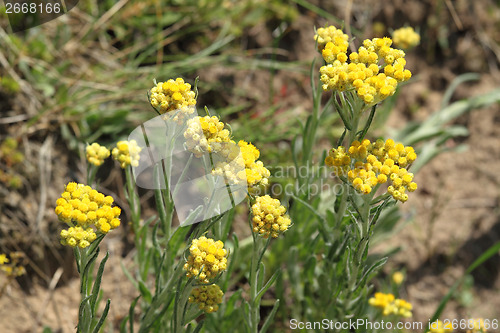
column 371, row 175
column 89, row 215
column 180, row 270
column 183, row 271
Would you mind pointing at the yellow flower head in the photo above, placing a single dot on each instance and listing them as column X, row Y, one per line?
column 207, row 134
column 173, row 95
column 15, row 266
column 96, row 154
column 83, row 209
column 3, row 259
column 256, row 173
column 373, row 72
column 390, row 305
column 339, row 160
column 398, row 278
column 207, row 259
column 376, row 163
column 208, row 297
column 269, row 218
column 405, row 38
column 127, row 153
column 329, row 34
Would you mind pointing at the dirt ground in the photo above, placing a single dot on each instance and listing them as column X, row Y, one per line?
column 453, row 217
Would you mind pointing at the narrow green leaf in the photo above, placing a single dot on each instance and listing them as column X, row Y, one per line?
column 270, row 317
column 368, row 123
column 372, row 270
column 129, row 275
column 78, row 258
column 145, row 293
column 454, row 84
column 267, row 286
column 97, row 284
column 103, row 317
column 199, row 327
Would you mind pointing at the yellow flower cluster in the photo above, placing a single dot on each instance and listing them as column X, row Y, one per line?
column 127, row 153
column 207, row 259
column 230, row 166
column 390, row 305
column 173, row 95
column 256, row 173
column 398, row 278
column 78, row 236
column 372, row 82
column 440, row 327
column 233, row 161
column 206, row 134
column 329, row 34
column 208, row 298
column 15, row 267
column 96, row 154
column 405, row 38
column 82, row 207
column 376, row 163
column 269, row 218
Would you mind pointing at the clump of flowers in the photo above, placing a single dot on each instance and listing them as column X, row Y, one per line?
column 376, row 163
column 96, row 154
column 173, row 95
column 256, row 173
column 14, row 266
column 83, row 209
column 206, row 134
column 330, row 34
column 390, row 305
column 405, row 38
column 440, row 327
column 269, row 218
column 208, row 297
column 373, row 72
column 207, row 259
column 127, row 153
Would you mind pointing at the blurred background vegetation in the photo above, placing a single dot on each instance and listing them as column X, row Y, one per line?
column 84, row 76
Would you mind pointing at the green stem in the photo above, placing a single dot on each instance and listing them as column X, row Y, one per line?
column 134, row 203
column 351, row 137
column 180, row 306
column 254, row 269
column 161, row 300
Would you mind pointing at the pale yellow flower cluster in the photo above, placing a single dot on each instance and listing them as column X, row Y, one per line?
column 96, row 154
column 127, row 153
column 83, row 208
column 405, row 38
column 208, row 297
column 373, row 72
column 269, row 218
column 390, row 305
column 174, row 95
column 206, row 260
